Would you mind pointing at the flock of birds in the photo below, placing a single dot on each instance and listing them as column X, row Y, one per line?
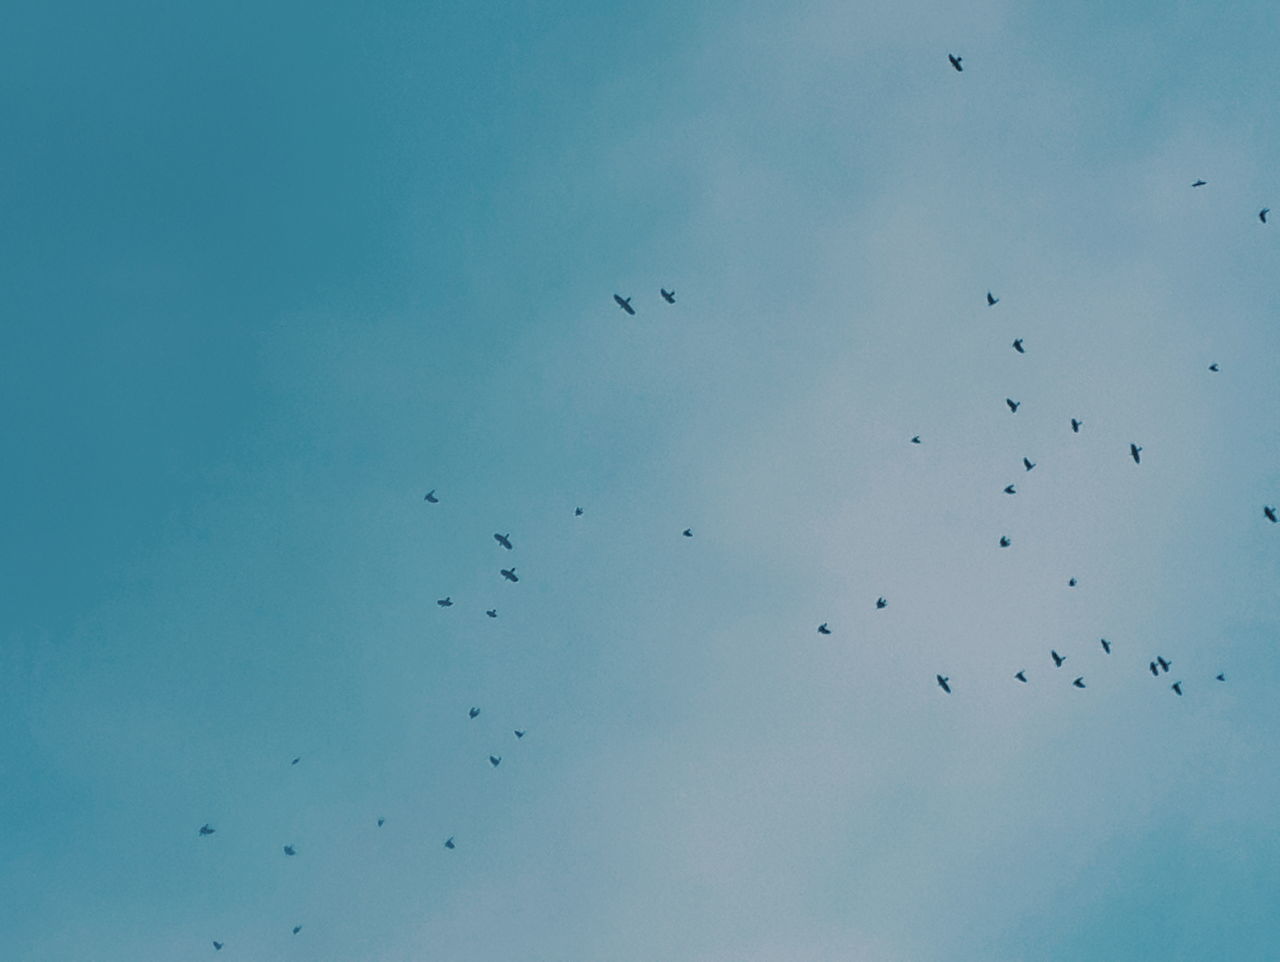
column 1158, row 666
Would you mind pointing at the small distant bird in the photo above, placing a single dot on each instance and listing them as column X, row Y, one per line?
column 1010, row 490
column 1177, row 687
column 1270, row 512
column 297, row 929
column 1057, row 658
column 207, row 829
column 1154, row 670
column 881, row 603
column 217, row 946
column 955, row 62
column 1164, row 665
column 1106, row 645
column 290, row 850
column 1017, row 346
column 446, row 602
column 431, row 496
column 1199, row 183
column 577, row 512
column 1013, row 405
column 1134, row 451
column 1075, row 425
column 823, row 629
column 992, row 300
column 687, row 532
column 510, row 574
column 1262, row 214
column 491, row 612
column 1079, row 682
column 1220, row 676
column 473, row 712
column 1028, row 463
column 624, row 303
column 915, row 439
column 381, row 821
column 944, row 683
column 668, row 296
column 296, row 760
column 1004, row 541
column 519, row 733
column 495, row 760
column 1071, row 582
column 504, row 540
column 448, row 842
column 1214, row 367
column 1021, row 676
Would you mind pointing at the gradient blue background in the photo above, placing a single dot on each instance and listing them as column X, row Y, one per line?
column 272, row 271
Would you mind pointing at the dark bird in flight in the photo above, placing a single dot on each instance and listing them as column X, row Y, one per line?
column 1177, row 687
column 446, row 602
column 881, row 603
column 955, row 62
column 687, row 532
column 1013, row 405
column 1220, row 676
column 1155, row 672
column 1075, row 425
column 915, row 439
column 473, row 712
column 1164, row 665
column 1270, row 512
column 1010, row 490
column 491, row 612
column 1057, row 658
column 1028, row 463
column 1021, row 676
column 207, row 829
column 290, row 850
column 1214, row 367
column 217, row 946
column 1004, row 541
column 297, row 929
column 1199, row 183
column 1017, row 346
column 1072, row 582
column 823, row 629
column 944, row 683
column 1106, row 645
column 510, row 574
column 495, row 760
column 519, row 733
column 624, row 303
column 431, row 496
column 296, row 760
column 577, row 512
column 1079, row 682
column 381, row 821
column 1262, row 214
column 1134, row 451
column 668, row 296
column 448, row 842
column 992, row 300
column 504, row 540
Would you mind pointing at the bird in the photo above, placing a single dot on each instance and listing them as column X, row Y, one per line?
column 1134, row 450
column 992, row 300
column 491, row 612
column 687, row 532
column 297, row 929
column 1010, row 489
column 1177, row 688
column 1270, row 512
column 207, row 829
column 1013, row 405
column 296, row 760
column 1199, row 183
column 519, row 733
column 217, row 946
column 1220, row 676
column 1164, row 665
column 1072, row 582
column 431, row 497
column 668, row 296
column 381, row 821
column 1106, row 645
column 448, row 842
column 624, row 303
column 509, row 574
column 881, row 603
column 1079, row 682
column 1004, row 541
column 473, row 712
column 955, row 62
column 823, row 629
column 1075, row 425
column 1057, row 658
column 1262, row 214
column 944, row 683
column 504, row 540
column 1017, row 346
column 290, row 850
column 1021, row 676
column 915, row 439
column 577, row 512
column 1214, row 367
column 1028, row 463
column 1155, row 672
column 495, row 760
column 446, row 602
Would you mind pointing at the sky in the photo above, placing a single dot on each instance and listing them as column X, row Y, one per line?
column 273, row 271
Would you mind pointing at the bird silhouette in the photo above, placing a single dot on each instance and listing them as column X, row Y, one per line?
column 1013, row 405
column 519, row 733
column 296, row 760
column 473, row 712
column 448, row 842
column 495, row 760
column 1214, row 367
column 1134, row 451
column 504, row 540
column 881, row 603
column 823, row 629
column 297, row 929
column 510, row 574
column 1017, row 346
column 1262, row 214
column 290, row 850
column 217, row 946
column 1220, row 676
column 1075, row 425
column 1106, row 645
column 577, row 512
column 1164, row 665
column 1021, row 676
column 1004, row 541
column 944, row 683
column 668, row 296
column 446, row 602
column 1177, row 687
column 955, row 62
column 1079, row 682
column 1071, row 582
column 1057, row 658
column 1028, row 463
column 207, row 829
column 1199, row 183
column 491, row 612
column 1154, row 670
column 431, row 496
column 1270, row 512
column 687, row 532
column 381, row 821
column 992, row 300
column 1010, row 489
column 915, row 439
column 624, row 303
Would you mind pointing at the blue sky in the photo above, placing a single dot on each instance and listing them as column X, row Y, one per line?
column 273, row 271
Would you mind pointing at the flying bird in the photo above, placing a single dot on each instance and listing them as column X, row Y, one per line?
column 297, row 929
column 217, row 946
column 1177, row 687
column 510, row 574
column 1079, row 682
column 448, row 842
column 495, row 760
column 1134, row 451
column 296, row 760
column 473, row 712
column 624, row 303
column 504, row 540
column 1164, row 665
column 1013, row 405
column 1106, row 645
column 955, row 62
column 290, row 850
column 381, row 821
column 1072, row 582
column 446, row 602
column 687, row 532
column 915, row 439
column 668, row 296
column 823, row 629
column 1017, row 346
column 1004, row 541
column 577, row 512
column 431, row 496
column 1262, row 214
column 1021, row 676
column 491, row 612
column 1270, row 512
column 992, row 300
column 1199, row 183
column 1028, row 463
column 207, row 829
column 881, row 603
column 519, row 733
column 1155, row 672
column 1010, row 490
column 1057, row 658
column 944, row 684
column 1214, row 367
column 1220, row 676
column 1075, row 425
